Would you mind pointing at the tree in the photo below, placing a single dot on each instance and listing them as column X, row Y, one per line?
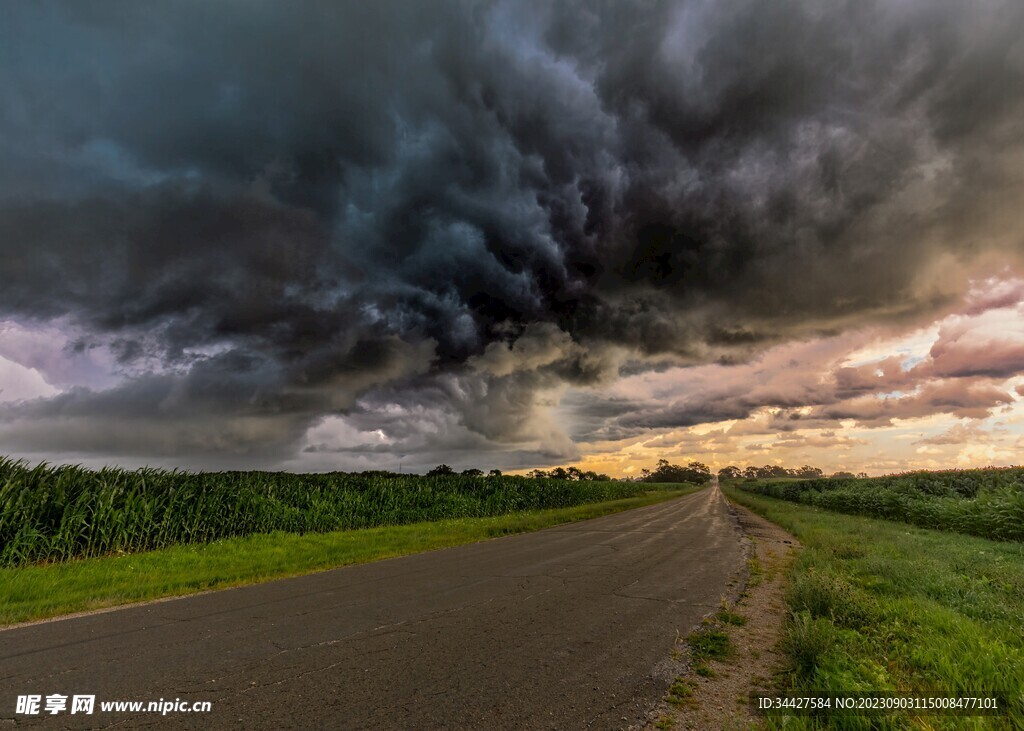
column 694, row 472
column 537, row 474
column 729, row 473
column 665, row 472
column 769, row 471
column 473, row 472
column 842, row 475
column 774, row 470
column 697, row 472
column 441, row 469
column 809, row 473
column 558, row 473
column 494, row 473
column 575, row 473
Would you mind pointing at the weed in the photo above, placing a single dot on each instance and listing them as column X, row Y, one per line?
column 807, row 641
column 709, row 642
column 729, row 617
column 826, row 594
column 680, row 692
column 703, row 670
column 755, row 571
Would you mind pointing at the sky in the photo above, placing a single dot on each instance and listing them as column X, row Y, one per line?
column 347, row 236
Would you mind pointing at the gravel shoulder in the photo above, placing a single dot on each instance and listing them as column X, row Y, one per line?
column 713, row 692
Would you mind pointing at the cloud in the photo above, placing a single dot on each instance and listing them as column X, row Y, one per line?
column 58, row 354
column 21, row 383
column 986, row 455
column 822, row 440
column 224, row 408
column 297, row 208
column 785, row 379
column 961, row 368
column 963, row 398
column 460, row 422
column 994, row 293
column 539, row 345
column 958, row 434
column 962, row 351
column 881, row 376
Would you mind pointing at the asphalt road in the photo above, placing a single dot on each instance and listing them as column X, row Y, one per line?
column 564, row 628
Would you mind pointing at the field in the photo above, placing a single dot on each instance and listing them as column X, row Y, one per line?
column 987, row 503
column 53, row 514
column 881, row 605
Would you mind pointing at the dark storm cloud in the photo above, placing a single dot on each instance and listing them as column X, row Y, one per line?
column 271, row 211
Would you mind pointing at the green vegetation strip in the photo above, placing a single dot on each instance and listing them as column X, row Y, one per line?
column 63, row 513
column 882, row 606
column 40, row 591
column 987, row 503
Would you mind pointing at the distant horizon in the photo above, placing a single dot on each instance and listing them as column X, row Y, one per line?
column 341, row 237
column 97, row 466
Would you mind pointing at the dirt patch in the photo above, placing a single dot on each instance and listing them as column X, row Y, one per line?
column 712, row 687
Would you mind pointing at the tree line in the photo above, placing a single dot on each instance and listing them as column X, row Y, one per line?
column 771, row 471
column 556, row 473
column 694, row 472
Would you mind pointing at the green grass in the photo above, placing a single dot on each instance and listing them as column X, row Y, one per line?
column 709, row 643
column 680, row 692
column 879, row 605
column 47, row 590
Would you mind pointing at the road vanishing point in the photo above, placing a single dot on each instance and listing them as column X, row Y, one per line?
column 565, row 628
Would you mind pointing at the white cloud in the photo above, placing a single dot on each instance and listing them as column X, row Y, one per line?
column 19, row 383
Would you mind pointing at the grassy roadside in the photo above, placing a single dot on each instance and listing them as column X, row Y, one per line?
column 49, row 590
column 988, row 503
column 879, row 605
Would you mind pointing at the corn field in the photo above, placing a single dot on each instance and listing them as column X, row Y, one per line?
column 61, row 513
column 987, row 503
